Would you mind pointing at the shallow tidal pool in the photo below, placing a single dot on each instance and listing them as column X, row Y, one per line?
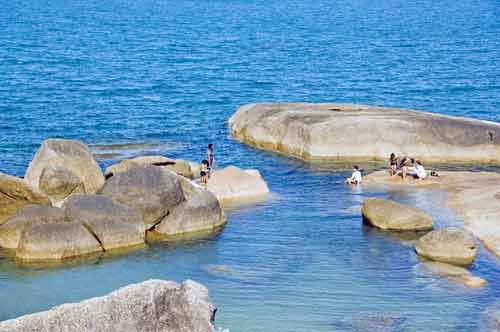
column 300, row 261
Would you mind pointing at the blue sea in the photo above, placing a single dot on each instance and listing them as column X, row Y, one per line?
column 162, row 77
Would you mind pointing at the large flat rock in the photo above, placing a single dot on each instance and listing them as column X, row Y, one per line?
column 150, row 306
column 326, row 131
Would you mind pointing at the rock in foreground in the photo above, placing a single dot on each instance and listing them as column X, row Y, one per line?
column 150, row 306
column 14, row 194
column 325, row 131
column 67, row 160
column 232, row 185
column 389, row 215
column 450, row 245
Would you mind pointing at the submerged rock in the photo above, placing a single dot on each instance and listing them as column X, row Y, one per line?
column 232, row 185
column 178, row 166
column 114, row 224
column 199, row 213
column 371, row 322
column 455, row 274
column 11, row 230
column 449, row 245
column 389, row 215
column 55, row 241
column 16, row 193
column 152, row 190
column 323, row 131
column 72, row 158
column 58, row 182
column 150, row 306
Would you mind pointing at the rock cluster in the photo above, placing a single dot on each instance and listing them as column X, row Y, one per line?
column 444, row 247
column 65, row 208
column 150, row 306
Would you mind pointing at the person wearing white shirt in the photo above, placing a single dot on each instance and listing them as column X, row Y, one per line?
column 356, row 176
column 420, row 171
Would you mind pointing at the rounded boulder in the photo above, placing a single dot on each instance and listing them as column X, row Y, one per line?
column 16, row 193
column 74, row 156
column 199, row 213
column 450, row 245
column 58, row 182
column 55, row 241
column 150, row 189
column 11, row 230
column 389, row 215
column 114, row 224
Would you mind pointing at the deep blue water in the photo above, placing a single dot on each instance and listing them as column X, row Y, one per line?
column 170, row 73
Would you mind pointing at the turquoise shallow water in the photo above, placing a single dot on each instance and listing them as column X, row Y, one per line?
column 169, row 74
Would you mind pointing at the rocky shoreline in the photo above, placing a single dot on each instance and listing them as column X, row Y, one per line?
column 474, row 195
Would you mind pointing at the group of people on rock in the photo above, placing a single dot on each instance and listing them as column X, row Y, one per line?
column 408, row 167
column 207, row 165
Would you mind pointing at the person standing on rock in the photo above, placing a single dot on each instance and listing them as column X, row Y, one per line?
column 204, row 171
column 393, row 164
column 210, row 158
column 404, row 167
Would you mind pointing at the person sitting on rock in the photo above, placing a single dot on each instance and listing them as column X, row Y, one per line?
column 420, row 172
column 204, row 170
column 356, row 176
column 393, row 164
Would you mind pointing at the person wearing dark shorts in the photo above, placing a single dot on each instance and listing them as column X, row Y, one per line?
column 393, row 164
column 204, row 171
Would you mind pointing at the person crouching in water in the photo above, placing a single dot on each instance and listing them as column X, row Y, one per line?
column 204, row 171
column 356, row 176
column 393, row 164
